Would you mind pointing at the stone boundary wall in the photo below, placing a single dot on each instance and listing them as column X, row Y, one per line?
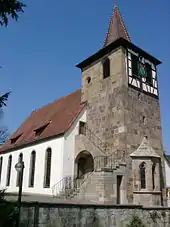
column 35, row 214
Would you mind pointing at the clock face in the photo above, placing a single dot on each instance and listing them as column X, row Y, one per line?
column 142, row 73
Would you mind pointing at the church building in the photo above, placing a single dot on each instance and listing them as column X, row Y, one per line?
column 102, row 143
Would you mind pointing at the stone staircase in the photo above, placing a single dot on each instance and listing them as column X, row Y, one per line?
column 70, row 186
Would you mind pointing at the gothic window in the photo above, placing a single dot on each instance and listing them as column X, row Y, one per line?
column 47, row 173
column 9, row 171
column 82, row 128
column 142, row 175
column 153, row 175
column 32, row 169
column 20, row 159
column 1, row 162
column 106, row 68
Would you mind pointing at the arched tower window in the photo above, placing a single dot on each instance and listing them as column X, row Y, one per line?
column 106, row 68
column 20, row 159
column 153, row 175
column 8, row 177
column 47, row 173
column 1, row 162
column 142, row 175
column 32, row 169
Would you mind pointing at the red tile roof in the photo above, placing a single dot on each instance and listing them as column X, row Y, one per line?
column 58, row 116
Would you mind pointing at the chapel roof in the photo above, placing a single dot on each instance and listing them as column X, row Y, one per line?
column 48, row 121
column 145, row 150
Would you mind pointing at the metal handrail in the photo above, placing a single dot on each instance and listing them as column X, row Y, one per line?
column 68, row 185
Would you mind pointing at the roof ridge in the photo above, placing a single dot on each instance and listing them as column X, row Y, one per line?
column 58, row 99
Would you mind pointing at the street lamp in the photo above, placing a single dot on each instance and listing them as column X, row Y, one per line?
column 20, row 169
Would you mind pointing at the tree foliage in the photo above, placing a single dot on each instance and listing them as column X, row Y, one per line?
column 3, row 130
column 3, row 99
column 10, row 9
column 8, row 212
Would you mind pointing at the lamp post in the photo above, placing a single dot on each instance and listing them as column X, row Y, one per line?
column 20, row 169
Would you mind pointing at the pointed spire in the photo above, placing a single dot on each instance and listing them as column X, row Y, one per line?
column 116, row 27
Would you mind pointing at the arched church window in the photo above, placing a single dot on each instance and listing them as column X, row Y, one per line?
column 106, row 68
column 142, row 175
column 47, row 173
column 1, row 162
column 153, row 175
column 20, row 159
column 8, row 177
column 32, row 169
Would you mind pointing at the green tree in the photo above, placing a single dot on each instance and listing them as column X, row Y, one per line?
column 8, row 212
column 3, row 130
column 10, row 9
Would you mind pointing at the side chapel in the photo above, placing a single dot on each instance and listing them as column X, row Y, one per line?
column 101, row 143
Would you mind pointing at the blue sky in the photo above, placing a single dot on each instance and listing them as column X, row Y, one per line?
column 40, row 51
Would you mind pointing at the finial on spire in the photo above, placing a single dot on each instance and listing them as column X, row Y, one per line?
column 116, row 27
column 115, row 4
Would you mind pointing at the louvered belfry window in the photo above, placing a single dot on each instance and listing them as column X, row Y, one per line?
column 32, row 169
column 149, row 74
column 134, row 65
column 106, row 68
column 47, row 173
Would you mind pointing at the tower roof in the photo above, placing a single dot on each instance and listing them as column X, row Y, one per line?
column 117, row 28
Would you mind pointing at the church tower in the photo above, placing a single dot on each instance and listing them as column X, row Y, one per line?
column 120, row 86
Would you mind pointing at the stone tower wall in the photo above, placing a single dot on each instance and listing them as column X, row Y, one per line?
column 120, row 115
column 105, row 111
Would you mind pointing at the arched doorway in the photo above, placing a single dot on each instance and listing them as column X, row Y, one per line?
column 85, row 163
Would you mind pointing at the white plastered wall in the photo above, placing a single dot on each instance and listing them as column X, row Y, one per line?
column 69, row 145
column 62, row 164
column 167, row 173
column 56, row 145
